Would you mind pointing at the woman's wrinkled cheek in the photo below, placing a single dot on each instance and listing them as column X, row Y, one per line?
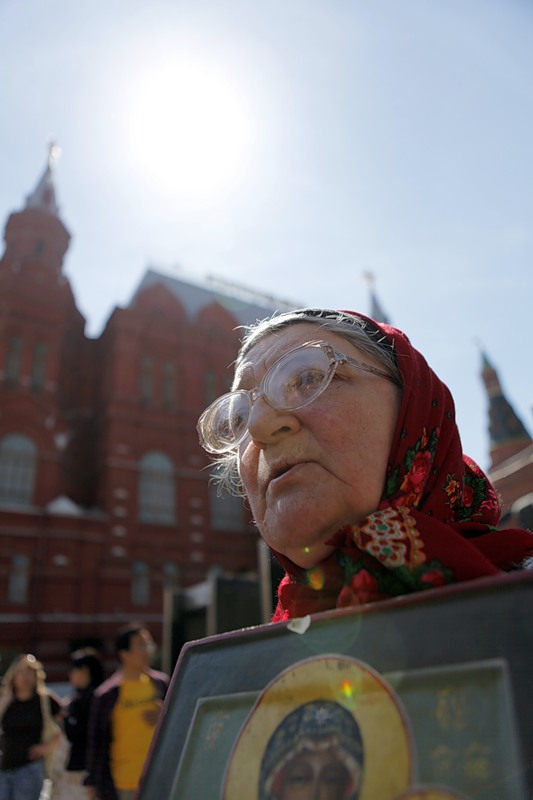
column 248, row 467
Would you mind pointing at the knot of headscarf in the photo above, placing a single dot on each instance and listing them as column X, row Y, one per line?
column 435, row 523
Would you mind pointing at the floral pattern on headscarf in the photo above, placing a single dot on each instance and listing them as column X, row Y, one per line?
column 435, row 523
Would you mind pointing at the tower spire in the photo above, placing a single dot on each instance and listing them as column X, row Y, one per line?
column 376, row 310
column 508, row 434
column 43, row 196
column 36, row 235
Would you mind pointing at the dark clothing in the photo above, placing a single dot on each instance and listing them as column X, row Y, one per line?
column 77, row 727
column 22, row 726
column 100, row 733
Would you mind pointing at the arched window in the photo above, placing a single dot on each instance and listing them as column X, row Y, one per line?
column 38, row 367
column 169, row 386
column 17, row 469
column 140, row 585
column 13, row 361
column 210, row 387
column 146, row 380
column 227, row 511
column 156, row 489
column 170, row 575
column 17, row 587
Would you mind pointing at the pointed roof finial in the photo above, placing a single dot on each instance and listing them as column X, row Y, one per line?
column 54, row 151
column 486, row 364
column 43, row 196
column 508, row 433
column 376, row 311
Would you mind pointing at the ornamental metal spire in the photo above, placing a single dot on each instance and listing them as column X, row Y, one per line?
column 376, row 310
column 43, row 196
column 54, row 151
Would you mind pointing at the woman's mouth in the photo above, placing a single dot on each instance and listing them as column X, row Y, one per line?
column 287, row 471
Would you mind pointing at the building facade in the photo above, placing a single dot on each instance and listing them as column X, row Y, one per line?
column 105, row 498
column 511, row 453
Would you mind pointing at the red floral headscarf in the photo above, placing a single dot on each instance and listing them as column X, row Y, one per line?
column 435, row 522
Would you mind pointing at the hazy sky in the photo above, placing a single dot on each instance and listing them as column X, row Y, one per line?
column 291, row 145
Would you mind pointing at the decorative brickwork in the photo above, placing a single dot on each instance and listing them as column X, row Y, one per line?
column 104, row 491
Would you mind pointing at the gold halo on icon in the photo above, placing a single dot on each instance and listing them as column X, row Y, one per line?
column 387, row 738
column 428, row 793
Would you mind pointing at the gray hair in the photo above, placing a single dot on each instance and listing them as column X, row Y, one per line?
column 360, row 332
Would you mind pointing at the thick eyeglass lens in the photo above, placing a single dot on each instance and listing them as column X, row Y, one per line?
column 297, row 378
column 226, row 422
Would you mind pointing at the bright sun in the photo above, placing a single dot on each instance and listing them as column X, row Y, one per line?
column 189, row 131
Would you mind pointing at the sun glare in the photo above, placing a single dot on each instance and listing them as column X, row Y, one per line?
column 189, row 130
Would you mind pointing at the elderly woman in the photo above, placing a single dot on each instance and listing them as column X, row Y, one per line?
column 30, row 734
column 345, row 443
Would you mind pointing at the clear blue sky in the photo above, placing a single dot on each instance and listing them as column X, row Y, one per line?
column 290, row 145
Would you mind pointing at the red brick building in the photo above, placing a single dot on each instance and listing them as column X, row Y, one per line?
column 105, row 498
column 511, row 452
column 104, row 495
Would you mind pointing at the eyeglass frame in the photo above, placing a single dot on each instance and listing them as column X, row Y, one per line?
column 335, row 357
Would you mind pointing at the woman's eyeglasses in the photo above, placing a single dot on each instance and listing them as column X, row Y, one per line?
column 294, row 381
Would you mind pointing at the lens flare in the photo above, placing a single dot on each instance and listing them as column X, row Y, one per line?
column 315, row 578
column 347, row 689
column 349, row 694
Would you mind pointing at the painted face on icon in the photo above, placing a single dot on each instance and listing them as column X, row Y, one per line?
column 310, row 471
column 314, row 776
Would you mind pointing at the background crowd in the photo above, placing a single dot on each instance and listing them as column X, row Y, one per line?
column 91, row 745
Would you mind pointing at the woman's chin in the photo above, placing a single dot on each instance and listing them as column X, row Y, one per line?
column 305, row 556
column 303, row 544
column 311, row 560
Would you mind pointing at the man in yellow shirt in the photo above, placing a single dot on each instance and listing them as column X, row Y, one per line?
column 124, row 713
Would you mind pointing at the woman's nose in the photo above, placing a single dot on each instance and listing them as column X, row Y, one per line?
column 267, row 425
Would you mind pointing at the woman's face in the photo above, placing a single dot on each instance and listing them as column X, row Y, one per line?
column 314, row 776
column 80, row 677
column 24, row 679
column 311, row 471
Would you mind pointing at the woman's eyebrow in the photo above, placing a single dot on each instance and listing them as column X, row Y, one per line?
column 247, row 369
column 243, row 374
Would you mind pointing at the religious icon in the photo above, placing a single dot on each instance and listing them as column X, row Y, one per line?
column 316, row 751
column 323, row 728
column 285, row 713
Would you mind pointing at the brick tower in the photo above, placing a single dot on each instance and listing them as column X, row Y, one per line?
column 511, row 452
column 105, row 499
column 42, row 348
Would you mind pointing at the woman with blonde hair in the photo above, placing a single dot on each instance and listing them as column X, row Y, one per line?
column 29, row 729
